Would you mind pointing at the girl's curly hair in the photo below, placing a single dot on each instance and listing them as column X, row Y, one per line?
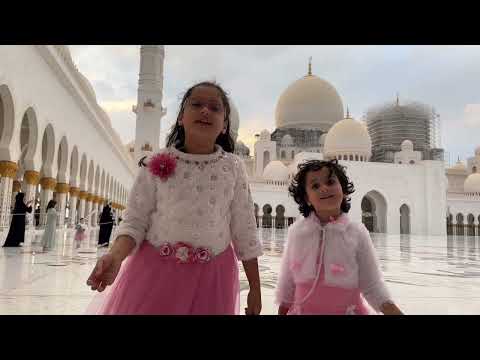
column 298, row 190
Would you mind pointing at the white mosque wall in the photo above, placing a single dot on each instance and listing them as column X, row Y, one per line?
column 48, row 90
column 273, row 195
column 421, row 187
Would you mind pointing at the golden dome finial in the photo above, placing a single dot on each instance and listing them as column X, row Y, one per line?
column 310, row 66
column 398, row 100
column 348, row 113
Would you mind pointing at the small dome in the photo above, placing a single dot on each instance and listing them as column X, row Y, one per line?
column 265, row 135
column 348, row 137
column 287, row 140
column 407, row 145
column 459, row 166
column 472, row 183
column 477, row 151
column 234, row 120
column 276, row 171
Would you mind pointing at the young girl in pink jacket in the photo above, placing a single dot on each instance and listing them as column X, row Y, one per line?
column 329, row 265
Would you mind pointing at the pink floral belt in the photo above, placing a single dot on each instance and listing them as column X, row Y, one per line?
column 185, row 253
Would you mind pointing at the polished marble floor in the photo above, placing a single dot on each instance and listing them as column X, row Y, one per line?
column 427, row 275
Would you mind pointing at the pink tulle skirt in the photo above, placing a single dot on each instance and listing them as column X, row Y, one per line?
column 79, row 236
column 149, row 284
column 328, row 300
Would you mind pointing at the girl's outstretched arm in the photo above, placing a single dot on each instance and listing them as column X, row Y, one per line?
column 254, row 300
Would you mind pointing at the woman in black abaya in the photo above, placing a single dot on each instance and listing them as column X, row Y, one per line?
column 16, row 234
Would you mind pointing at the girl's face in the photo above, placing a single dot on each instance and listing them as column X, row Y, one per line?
column 324, row 192
column 204, row 114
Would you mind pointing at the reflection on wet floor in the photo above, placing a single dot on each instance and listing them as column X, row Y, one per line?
column 426, row 275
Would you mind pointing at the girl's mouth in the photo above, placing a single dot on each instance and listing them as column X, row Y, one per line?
column 203, row 122
column 326, row 197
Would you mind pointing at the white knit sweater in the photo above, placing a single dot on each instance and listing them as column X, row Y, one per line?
column 206, row 202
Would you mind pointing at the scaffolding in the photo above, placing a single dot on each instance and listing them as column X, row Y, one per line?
column 392, row 123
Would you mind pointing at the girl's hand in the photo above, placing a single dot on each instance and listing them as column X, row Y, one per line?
column 389, row 308
column 283, row 310
column 254, row 302
column 105, row 272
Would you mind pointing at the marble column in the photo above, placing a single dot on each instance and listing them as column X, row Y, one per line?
column 94, row 211
column 8, row 171
column 81, row 208
column 48, row 186
column 88, row 208
column 61, row 189
column 31, row 179
column 74, row 192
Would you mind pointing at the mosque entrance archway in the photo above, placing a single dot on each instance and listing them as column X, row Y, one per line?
column 280, row 217
column 267, row 216
column 374, row 212
column 404, row 219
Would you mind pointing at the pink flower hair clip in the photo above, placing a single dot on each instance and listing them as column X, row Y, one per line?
column 162, row 165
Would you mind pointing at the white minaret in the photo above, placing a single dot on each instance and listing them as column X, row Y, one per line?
column 149, row 108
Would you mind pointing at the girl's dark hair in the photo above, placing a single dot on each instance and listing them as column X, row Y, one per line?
column 51, row 204
column 298, row 190
column 176, row 137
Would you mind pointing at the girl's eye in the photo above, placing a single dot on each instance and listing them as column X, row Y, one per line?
column 315, row 186
column 330, row 182
column 196, row 104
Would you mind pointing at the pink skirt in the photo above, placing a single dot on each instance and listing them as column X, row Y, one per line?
column 328, row 300
column 79, row 236
column 149, row 284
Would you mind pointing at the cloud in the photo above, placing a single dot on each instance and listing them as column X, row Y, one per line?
column 118, row 106
column 445, row 77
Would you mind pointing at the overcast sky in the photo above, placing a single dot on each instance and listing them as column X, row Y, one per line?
column 446, row 77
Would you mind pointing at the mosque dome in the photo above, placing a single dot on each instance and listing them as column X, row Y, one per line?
column 472, row 184
column 309, row 103
column 406, row 145
column 348, row 137
column 276, row 171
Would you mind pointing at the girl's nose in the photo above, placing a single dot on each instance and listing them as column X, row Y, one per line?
column 204, row 110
